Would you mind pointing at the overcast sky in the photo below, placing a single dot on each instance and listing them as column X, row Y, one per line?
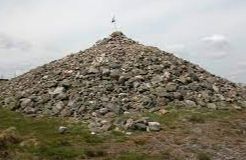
column 211, row 33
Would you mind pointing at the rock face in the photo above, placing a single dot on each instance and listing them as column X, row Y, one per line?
column 115, row 76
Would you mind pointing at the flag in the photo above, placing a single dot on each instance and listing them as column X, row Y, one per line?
column 113, row 20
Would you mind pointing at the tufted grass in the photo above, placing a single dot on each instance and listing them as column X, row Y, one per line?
column 78, row 143
column 52, row 145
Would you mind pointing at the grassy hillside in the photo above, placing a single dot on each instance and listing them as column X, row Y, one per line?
column 186, row 134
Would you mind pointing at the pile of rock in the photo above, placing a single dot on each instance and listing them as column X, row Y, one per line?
column 115, row 76
column 3, row 80
column 124, row 124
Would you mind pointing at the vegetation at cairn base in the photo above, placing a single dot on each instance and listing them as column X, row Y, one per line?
column 50, row 143
column 39, row 137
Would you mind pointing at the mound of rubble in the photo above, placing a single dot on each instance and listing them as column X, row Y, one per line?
column 117, row 76
column 2, row 81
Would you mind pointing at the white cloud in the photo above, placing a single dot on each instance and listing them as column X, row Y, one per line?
column 216, row 53
column 215, row 47
column 7, row 42
column 216, row 38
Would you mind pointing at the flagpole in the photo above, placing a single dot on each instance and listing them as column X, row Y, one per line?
column 115, row 26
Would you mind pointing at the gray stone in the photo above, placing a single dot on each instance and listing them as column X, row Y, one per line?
column 115, row 65
column 115, row 74
column 58, row 107
column 143, row 88
column 211, row 106
column 66, row 112
column 26, row 102
column 106, row 126
column 190, row 103
column 95, row 127
column 154, row 109
column 140, row 126
column 148, row 102
column 237, row 107
column 167, row 75
column 103, row 111
column 193, row 76
column 161, row 91
column 105, row 71
column 93, row 70
column 154, row 126
column 184, row 79
column 62, row 96
column 129, row 124
column 62, row 129
column 215, row 88
column 115, row 108
column 10, row 103
column 171, row 87
column 58, row 90
column 123, row 79
column 138, row 78
column 156, row 79
column 30, row 110
column 242, row 104
column 65, row 83
column 178, row 96
column 136, row 84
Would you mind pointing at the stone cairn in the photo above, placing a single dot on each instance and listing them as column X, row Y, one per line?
column 118, row 76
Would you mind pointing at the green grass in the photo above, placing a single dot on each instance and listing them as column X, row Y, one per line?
column 53, row 145
column 56, row 152
column 196, row 118
column 174, row 116
column 78, row 143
